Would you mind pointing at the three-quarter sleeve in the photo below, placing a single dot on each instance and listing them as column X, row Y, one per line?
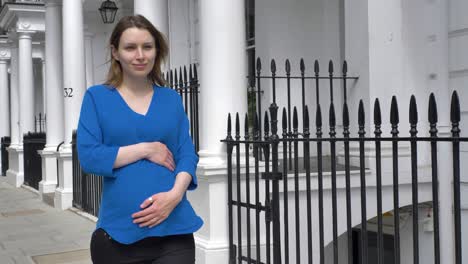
column 186, row 158
column 95, row 157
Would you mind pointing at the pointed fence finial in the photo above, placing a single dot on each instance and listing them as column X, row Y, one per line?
column 330, row 67
column 295, row 121
column 185, row 74
column 345, row 115
column 377, row 118
column 318, row 117
column 432, row 113
column 345, row 67
column 229, row 128
column 413, row 111
column 377, row 113
column 284, row 119
column 361, row 114
column 259, row 65
column 455, row 108
column 302, row 66
column 394, row 115
column 273, row 66
column 316, row 67
column 288, row 67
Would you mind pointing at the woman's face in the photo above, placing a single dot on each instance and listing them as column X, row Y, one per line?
column 136, row 52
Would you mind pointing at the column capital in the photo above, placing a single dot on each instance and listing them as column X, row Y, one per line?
column 25, row 34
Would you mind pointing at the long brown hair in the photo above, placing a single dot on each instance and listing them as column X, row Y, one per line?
column 115, row 76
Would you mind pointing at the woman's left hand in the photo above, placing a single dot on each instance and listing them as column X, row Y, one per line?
column 157, row 208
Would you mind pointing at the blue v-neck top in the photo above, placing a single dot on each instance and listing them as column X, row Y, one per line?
column 107, row 123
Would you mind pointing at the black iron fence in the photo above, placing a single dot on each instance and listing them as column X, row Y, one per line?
column 87, row 188
column 188, row 87
column 264, row 204
column 40, row 123
column 33, row 142
column 309, row 86
column 5, row 141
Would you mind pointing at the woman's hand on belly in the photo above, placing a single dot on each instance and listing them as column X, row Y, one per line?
column 157, row 208
column 160, row 154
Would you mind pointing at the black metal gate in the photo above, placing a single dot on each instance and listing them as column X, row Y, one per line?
column 32, row 142
column 5, row 141
column 269, row 208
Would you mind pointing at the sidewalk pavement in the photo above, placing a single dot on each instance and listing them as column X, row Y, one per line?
column 34, row 232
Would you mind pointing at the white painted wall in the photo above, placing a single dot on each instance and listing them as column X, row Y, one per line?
column 294, row 30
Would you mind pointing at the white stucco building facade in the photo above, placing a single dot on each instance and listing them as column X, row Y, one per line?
column 52, row 50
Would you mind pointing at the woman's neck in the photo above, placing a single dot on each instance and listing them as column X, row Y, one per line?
column 136, row 86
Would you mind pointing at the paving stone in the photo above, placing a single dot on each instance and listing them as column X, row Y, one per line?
column 29, row 227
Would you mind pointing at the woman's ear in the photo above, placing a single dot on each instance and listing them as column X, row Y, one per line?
column 114, row 53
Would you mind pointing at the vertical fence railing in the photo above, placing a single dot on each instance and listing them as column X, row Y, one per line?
column 32, row 143
column 40, row 123
column 188, row 87
column 273, row 227
column 5, row 141
column 87, row 188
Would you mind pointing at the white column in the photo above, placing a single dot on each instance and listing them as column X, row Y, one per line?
column 53, row 90
column 88, row 37
column 74, row 84
column 15, row 172
column 157, row 12
column 44, row 97
column 26, row 84
column 4, row 99
column 223, row 77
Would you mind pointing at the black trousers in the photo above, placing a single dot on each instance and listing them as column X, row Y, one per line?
column 178, row 249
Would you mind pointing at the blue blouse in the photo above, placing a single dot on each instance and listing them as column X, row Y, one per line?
column 107, row 123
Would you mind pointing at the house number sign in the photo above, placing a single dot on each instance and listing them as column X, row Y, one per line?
column 68, row 92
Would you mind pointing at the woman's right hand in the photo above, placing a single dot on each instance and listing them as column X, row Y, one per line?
column 160, row 154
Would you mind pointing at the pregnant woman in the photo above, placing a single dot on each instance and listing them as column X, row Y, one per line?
column 135, row 134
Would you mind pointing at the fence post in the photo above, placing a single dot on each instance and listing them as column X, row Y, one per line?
column 276, row 177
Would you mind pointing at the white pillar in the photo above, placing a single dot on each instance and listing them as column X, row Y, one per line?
column 157, row 12
column 26, row 84
column 88, row 37
column 15, row 172
column 74, row 84
column 53, row 89
column 223, row 77
column 4, row 99
column 44, row 97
